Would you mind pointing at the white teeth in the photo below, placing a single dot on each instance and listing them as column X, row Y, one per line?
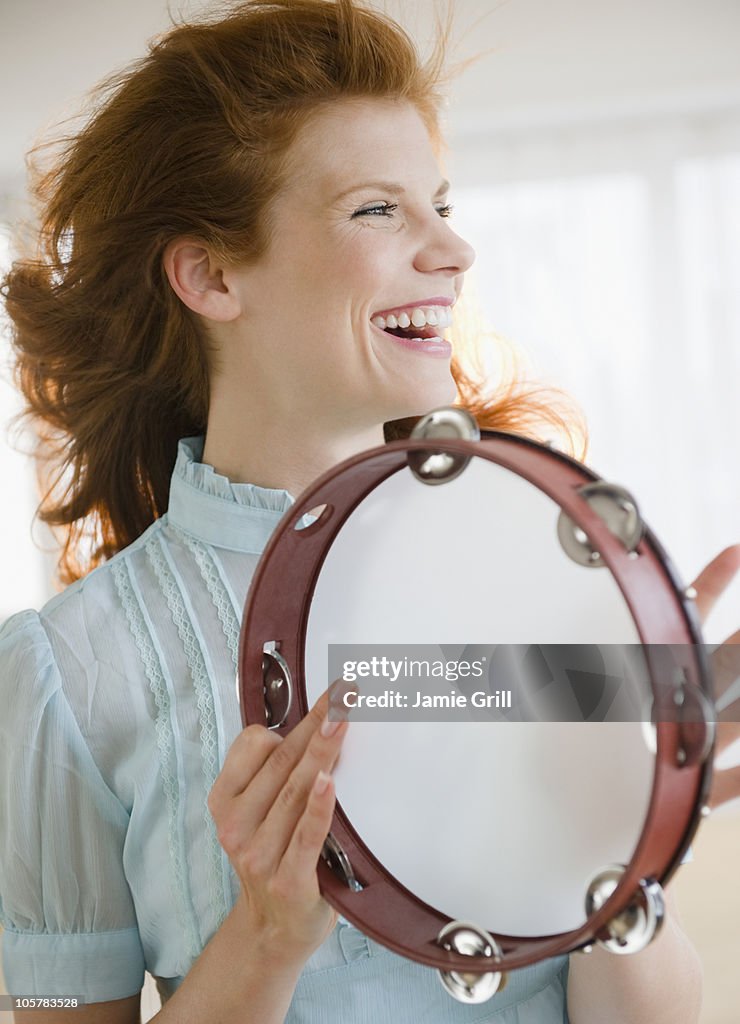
column 433, row 316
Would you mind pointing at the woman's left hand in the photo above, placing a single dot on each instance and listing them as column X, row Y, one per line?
column 710, row 584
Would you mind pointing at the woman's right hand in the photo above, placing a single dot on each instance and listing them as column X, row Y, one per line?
column 272, row 804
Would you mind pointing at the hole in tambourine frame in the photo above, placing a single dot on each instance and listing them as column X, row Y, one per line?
column 319, row 513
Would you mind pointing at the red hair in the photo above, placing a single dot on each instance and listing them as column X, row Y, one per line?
column 191, row 140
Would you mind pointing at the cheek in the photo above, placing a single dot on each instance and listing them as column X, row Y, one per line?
column 334, row 285
column 367, row 254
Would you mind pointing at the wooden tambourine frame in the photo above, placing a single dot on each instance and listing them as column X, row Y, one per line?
column 627, row 909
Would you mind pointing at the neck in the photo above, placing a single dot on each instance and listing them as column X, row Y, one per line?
column 286, row 455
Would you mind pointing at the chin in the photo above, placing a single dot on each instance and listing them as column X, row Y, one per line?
column 430, row 395
column 416, row 398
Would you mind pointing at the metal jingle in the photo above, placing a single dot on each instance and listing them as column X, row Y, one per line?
column 441, row 467
column 333, row 853
column 636, row 926
column 619, row 512
column 278, row 685
column 695, row 713
column 470, row 940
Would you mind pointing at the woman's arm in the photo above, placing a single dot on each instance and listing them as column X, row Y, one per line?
column 661, row 985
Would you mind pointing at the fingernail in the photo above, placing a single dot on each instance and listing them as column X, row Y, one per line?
column 328, row 728
column 322, row 781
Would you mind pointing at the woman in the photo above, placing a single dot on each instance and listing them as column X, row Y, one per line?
column 224, row 250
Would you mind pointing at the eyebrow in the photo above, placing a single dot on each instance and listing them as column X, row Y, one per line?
column 387, row 186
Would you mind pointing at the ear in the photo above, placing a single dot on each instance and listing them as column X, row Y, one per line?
column 198, row 280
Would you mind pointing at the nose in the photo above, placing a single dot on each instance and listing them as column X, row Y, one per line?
column 444, row 250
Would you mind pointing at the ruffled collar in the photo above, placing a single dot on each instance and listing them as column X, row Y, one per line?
column 210, row 507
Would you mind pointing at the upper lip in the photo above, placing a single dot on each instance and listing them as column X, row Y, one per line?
column 437, row 300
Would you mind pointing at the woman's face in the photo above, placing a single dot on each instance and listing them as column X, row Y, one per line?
column 360, row 245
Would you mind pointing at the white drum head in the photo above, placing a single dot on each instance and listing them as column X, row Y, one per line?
column 502, row 823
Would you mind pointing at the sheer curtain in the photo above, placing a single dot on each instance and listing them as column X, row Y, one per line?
column 610, row 254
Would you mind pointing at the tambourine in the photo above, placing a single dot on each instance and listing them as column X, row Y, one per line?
column 479, row 846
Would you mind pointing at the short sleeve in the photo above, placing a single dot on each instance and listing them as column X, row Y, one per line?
column 65, row 904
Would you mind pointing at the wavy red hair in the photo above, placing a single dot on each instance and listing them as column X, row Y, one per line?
column 190, row 140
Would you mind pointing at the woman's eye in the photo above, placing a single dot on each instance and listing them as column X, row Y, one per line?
column 388, row 209
column 377, row 210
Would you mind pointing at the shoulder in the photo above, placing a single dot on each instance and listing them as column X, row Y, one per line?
column 99, row 582
column 82, row 624
column 27, row 665
column 75, row 642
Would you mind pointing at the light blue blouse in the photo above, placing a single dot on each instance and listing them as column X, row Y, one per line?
column 117, row 709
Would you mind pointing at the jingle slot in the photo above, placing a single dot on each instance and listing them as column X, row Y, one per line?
column 619, row 512
column 320, row 515
column 636, row 926
column 470, row 940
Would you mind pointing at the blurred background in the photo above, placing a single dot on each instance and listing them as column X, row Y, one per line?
column 595, row 161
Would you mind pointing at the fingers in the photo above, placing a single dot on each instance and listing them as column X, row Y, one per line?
column 275, row 806
column 247, row 754
column 712, row 581
column 304, row 849
column 253, row 746
column 728, row 732
column 273, row 800
column 725, row 786
column 725, row 662
column 265, row 792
